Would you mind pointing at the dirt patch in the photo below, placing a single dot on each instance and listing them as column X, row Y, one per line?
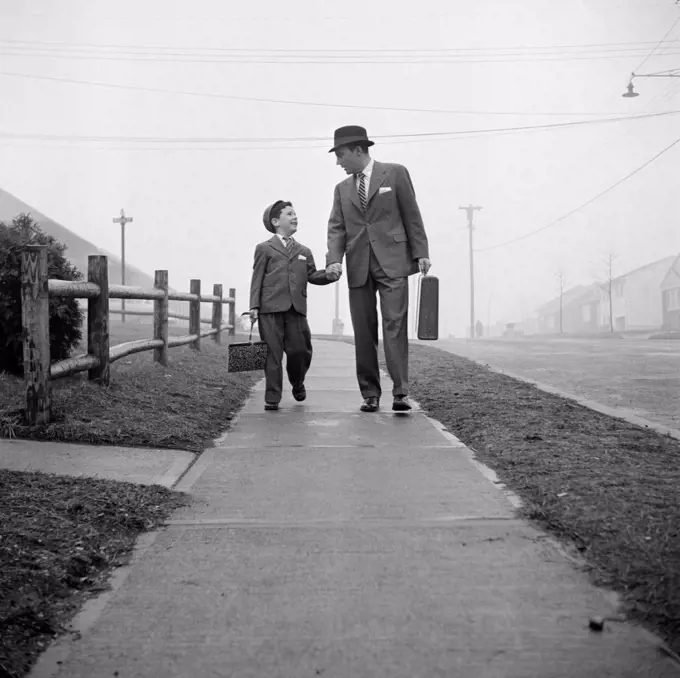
column 59, row 540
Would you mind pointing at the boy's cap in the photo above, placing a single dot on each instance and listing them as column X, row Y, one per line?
column 266, row 218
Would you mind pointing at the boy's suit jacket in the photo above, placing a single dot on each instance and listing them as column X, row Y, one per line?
column 391, row 226
column 280, row 276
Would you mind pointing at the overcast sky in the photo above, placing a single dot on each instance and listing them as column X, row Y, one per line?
column 489, row 64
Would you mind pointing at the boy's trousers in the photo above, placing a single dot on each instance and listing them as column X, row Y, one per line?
column 286, row 332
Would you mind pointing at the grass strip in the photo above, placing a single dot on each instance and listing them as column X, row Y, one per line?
column 60, row 537
column 182, row 406
column 604, row 486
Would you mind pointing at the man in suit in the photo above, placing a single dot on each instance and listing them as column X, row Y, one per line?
column 278, row 300
column 376, row 224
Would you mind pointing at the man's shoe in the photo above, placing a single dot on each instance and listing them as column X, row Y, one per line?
column 299, row 392
column 271, row 406
column 370, row 404
column 401, row 404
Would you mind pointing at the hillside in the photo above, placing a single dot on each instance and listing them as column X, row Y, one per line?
column 78, row 248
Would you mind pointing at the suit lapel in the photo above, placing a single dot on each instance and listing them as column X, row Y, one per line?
column 293, row 249
column 352, row 188
column 377, row 177
column 276, row 243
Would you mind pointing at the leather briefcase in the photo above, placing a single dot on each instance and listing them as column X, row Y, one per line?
column 427, row 311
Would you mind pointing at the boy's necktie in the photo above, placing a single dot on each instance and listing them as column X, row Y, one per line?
column 286, row 241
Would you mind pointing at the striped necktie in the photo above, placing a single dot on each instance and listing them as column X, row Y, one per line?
column 286, row 241
column 362, row 191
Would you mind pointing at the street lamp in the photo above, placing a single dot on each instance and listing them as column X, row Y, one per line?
column 630, row 93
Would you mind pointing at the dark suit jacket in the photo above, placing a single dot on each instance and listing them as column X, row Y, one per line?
column 280, row 276
column 392, row 225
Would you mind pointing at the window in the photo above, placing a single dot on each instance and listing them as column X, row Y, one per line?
column 673, row 299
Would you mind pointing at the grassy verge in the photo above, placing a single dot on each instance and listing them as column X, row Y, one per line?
column 606, row 487
column 184, row 405
column 59, row 539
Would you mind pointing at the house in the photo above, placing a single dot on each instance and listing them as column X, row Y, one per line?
column 670, row 297
column 636, row 302
column 578, row 312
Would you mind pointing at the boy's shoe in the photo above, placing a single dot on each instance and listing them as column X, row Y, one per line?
column 401, row 404
column 299, row 392
column 271, row 406
column 370, row 404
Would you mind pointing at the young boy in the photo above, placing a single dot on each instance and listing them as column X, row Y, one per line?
column 278, row 300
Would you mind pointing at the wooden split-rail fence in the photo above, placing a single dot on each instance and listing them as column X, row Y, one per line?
column 36, row 290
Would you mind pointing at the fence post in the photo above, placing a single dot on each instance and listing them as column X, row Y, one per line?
column 232, row 311
column 35, row 320
column 160, row 318
column 217, row 314
column 195, row 314
column 98, row 342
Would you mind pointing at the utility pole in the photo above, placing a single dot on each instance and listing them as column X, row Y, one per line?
column 471, row 209
column 338, row 326
column 560, row 278
column 610, row 269
column 488, row 317
column 122, row 220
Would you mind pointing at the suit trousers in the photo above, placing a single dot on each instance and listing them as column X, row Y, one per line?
column 286, row 332
column 393, row 294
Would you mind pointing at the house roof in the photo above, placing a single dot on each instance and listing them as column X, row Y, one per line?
column 672, row 277
column 580, row 293
column 664, row 264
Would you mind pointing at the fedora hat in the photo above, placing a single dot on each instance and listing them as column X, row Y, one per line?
column 266, row 217
column 349, row 134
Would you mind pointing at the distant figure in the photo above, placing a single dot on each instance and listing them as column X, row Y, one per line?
column 479, row 329
column 376, row 223
column 278, row 301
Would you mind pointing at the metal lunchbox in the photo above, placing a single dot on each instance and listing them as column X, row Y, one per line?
column 247, row 356
column 427, row 312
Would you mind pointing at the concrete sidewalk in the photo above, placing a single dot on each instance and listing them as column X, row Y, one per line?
column 326, row 542
column 141, row 465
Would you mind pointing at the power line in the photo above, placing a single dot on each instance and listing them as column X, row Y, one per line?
column 401, row 50
column 339, row 59
column 582, row 205
column 266, row 100
column 656, row 47
column 385, row 137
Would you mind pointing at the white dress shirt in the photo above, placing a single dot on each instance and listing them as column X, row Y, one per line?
column 367, row 171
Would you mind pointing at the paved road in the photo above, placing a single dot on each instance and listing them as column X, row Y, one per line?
column 638, row 375
column 326, row 542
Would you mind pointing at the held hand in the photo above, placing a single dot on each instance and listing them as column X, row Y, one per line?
column 424, row 265
column 334, row 271
column 254, row 314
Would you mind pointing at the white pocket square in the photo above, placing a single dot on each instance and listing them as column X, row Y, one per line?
column 384, row 189
column 302, row 256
